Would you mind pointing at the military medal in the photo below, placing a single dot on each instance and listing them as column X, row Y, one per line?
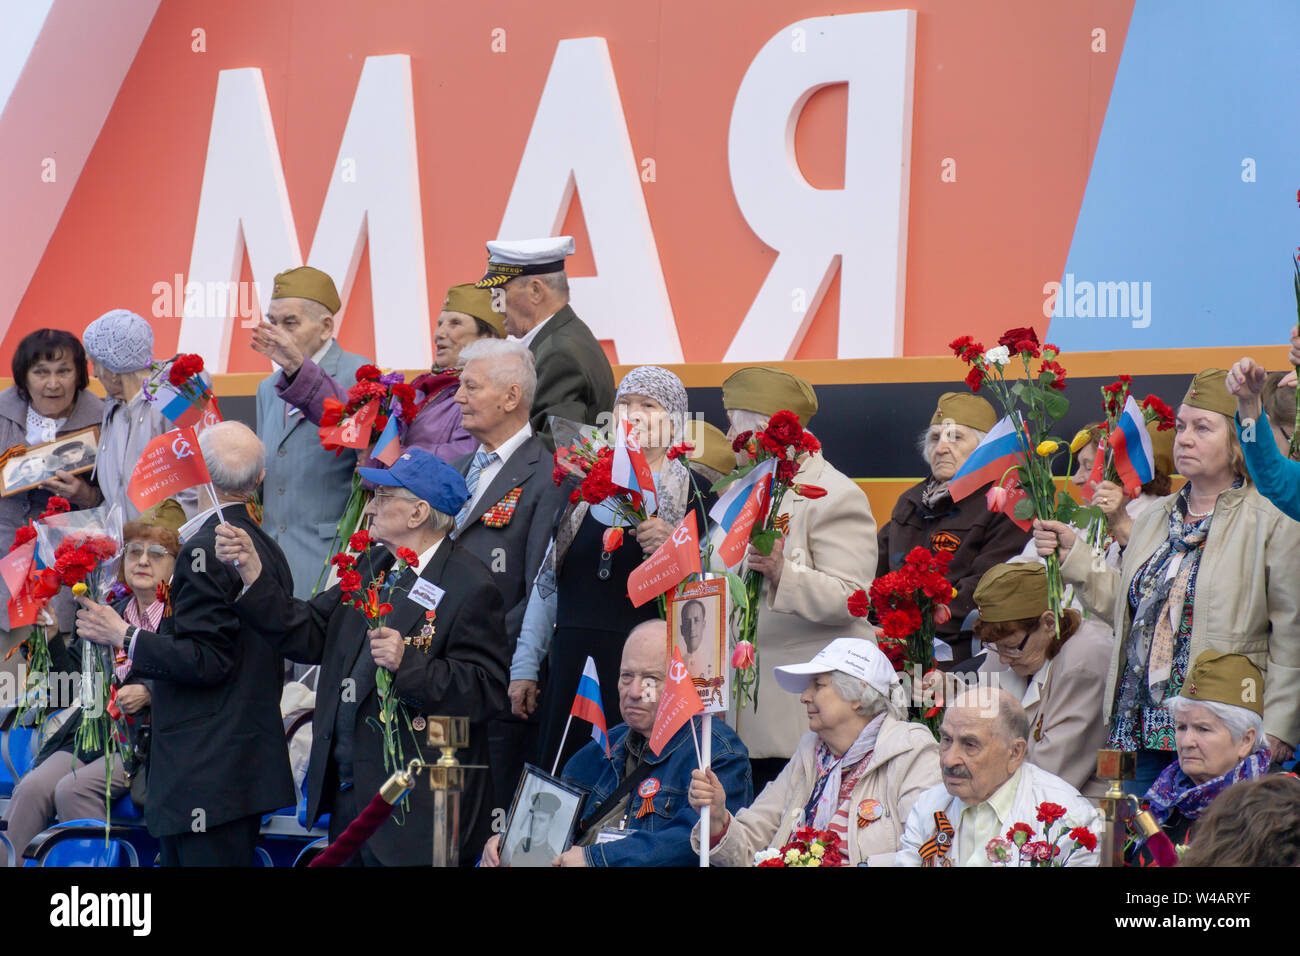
column 1038, row 728
column 647, row 793
column 499, row 515
column 417, row 723
column 869, row 811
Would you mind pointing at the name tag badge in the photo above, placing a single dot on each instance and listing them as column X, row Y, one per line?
column 426, row 594
column 610, row 835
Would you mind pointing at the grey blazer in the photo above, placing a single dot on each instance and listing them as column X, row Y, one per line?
column 306, row 487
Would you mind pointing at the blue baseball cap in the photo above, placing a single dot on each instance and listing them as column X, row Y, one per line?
column 426, row 476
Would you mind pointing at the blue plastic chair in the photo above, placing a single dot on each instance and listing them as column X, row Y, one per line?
column 81, row 843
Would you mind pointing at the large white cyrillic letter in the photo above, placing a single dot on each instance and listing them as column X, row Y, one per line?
column 861, row 228
column 579, row 139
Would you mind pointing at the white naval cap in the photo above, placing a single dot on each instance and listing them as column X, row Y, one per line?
column 508, row 258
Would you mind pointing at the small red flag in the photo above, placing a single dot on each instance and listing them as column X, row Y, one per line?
column 201, row 418
column 669, row 565
column 170, row 463
column 14, row 569
column 352, row 432
column 678, row 703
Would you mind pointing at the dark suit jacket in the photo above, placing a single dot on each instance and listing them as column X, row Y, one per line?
column 218, row 738
column 514, row 552
column 574, row 380
column 462, row 674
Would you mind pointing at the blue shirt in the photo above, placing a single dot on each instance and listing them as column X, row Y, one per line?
column 1276, row 476
column 661, row 837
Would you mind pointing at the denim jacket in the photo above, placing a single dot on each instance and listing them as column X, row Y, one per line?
column 661, row 838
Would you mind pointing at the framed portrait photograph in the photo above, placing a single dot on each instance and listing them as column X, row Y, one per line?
column 697, row 626
column 74, row 453
column 541, row 821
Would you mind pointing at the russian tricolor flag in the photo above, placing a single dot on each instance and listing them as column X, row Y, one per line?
column 743, row 503
column 173, row 403
column 1131, row 442
column 388, row 448
column 1001, row 449
column 587, row 705
column 629, row 468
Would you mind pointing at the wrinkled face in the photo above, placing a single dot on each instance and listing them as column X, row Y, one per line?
column 948, row 446
column 1201, row 448
column 111, row 381
column 454, row 331
column 652, row 424
column 145, row 565
column 1205, row 747
column 298, row 317
column 692, row 626
column 1086, row 458
column 481, row 401
column 827, row 710
column 640, row 681
column 518, row 306
column 394, row 516
column 974, row 757
column 1025, row 651
column 52, row 384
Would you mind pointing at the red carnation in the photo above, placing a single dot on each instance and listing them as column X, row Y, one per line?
column 1049, row 813
column 410, row 557
column 1084, row 837
column 681, row 450
column 858, row 603
column 360, row 540
column 55, row 506
column 381, row 422
column 22, row 536
column 349, row 581
column 1162, row 413
column 974, row 379
column 368, row 373
column 343, row 561
column 1058, row 381
column 363, row 392
column 966, row 349
column 599, row 483
column 809, row 443
column 403, row 392
column 895, row 652
column 1020, row 834
column 786, row 471
column 740, row 441
column 784, row 427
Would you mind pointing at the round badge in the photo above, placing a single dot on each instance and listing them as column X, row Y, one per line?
column 417, row 723
column 649, row 788
column 942, row 838
column 869, row 811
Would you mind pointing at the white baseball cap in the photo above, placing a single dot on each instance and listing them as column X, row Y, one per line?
column 853, row 655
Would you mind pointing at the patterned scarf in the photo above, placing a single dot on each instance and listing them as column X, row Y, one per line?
column 1174, row 790
column 148, row 621
column 825, row 797
column 1158, row 592
column 433, row 382
column 672, row 491
column 933, row 492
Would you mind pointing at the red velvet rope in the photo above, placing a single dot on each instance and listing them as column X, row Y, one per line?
column 357, row 833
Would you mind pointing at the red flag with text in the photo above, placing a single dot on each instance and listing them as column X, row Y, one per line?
column 669, row 565
column 170, row 463
column 679, row 703
column 14, row 568
column 352, row 432
column 201, row 418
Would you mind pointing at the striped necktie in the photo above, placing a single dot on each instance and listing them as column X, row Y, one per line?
column 481, row 460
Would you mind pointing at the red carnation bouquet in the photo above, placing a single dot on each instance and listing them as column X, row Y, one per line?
column 359, row 423
column 786, row 442
column 184, row 376
column 1023, row 846
column 807, row 847
column 371, row 601
column 83, row 549
column 909, row 603
column 589, row 458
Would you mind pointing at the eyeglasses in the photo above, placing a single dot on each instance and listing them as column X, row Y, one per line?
column 1007, row 651
column 156, row 552
column 392, row 494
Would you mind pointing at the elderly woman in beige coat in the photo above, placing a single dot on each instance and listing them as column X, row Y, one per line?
column 1214, row 566
column 828, row 552
column 856, row 772
column 1059, row 679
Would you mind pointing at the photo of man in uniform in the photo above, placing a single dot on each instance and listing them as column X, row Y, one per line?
column 534, row 847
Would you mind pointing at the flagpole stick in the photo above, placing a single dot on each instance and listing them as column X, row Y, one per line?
column 563, row 737
column 705, row 838
column 695, row 739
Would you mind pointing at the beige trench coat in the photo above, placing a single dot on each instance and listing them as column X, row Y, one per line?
column 904, row 764
column 1247, row 595
column 830, row 552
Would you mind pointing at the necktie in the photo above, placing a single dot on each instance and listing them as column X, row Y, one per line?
column 481, row 460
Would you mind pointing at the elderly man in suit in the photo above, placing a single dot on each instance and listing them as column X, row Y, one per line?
column 306, row 487
column 444, row 644
column 574, row 380
column 507, row 519
column 218, row 760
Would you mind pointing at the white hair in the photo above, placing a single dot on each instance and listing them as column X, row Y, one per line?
column 557, row 282
column 744, row 420
column 509, row 362
column 438, row 522
column 235, row 457
column 925, row 442
column 868, row 701
column 1238, row 720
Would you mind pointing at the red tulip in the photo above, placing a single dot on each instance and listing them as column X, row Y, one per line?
column 612, row 539
column 810, row 491
column 742, row 658
column 997, row 498
column 941, row 614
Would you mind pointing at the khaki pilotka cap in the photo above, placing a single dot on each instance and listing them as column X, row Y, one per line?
column 1209, row 391
column 305, row 282
column 712, row 450
column 1225, row 679
column 768, row 391
column 1012, row 592
column 1162, row 446
column 468, row 299
column 963, row 408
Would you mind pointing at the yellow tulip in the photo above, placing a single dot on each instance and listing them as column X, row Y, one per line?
column 79, row 589
column 1081, row 440
column 1047, row 447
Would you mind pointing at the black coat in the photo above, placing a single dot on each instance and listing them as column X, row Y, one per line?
column 513, row 552
column 462, row 674
column 218, row 737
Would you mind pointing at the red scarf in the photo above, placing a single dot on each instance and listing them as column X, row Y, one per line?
column 431, row 383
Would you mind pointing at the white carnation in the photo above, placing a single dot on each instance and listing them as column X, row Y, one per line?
column 1000, row 355
column 762, row 856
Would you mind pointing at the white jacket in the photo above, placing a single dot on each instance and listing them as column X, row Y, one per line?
column 1036, row 786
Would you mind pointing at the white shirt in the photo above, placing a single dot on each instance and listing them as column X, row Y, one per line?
column 493, row 468
column 527, row 337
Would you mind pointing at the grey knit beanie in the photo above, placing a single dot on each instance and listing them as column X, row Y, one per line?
column 120, row 340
